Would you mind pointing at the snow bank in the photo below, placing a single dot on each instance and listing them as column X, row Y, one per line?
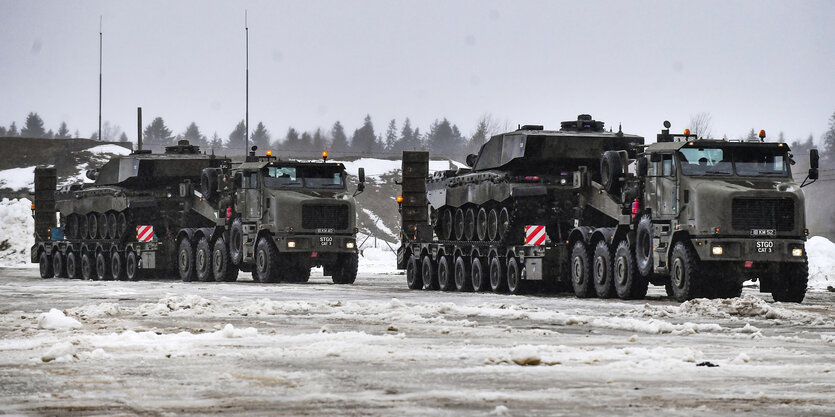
column 379, row 260
column 56, row 320
column 746, row 307
column 16, row 228
column 109, row 149
column 821, row 253
column 17, row 178
column 375, row 167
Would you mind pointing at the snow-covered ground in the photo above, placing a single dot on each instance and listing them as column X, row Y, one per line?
column 16, row 231
column 17, row 178
column 375, row 167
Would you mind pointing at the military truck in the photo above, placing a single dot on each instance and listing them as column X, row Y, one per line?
column 602, row 214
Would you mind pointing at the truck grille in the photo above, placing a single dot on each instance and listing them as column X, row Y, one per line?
column 763, row 213
column 325, row 217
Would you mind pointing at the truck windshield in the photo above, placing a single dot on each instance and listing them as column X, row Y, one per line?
column 303, row 177
column 745, row 162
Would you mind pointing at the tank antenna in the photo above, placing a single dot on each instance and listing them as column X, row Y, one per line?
column 246, row 133
column 100, row 43
column 139, row 128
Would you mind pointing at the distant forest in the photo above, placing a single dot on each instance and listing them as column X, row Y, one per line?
column 441, row 138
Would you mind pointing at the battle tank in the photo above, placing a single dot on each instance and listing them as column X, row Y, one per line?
column 139, row 188
column 529, row 176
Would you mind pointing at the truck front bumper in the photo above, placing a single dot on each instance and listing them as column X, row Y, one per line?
column 316, row 243
column 750, row 249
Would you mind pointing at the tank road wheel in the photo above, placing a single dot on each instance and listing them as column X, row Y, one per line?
column 459, row 224
column 427, row 269
column 185, row 261
column 103, row 267
column 414, row 279
column 345, row 272
column 685, row 274
column 446, row 224
column 514, row 276
column 222, row 267
column 72, row 226
column 203, row 260
column 629, row 284
column 45, row 266
column 446, row 279
column 581, row 275
column 462, row 278
column 113, row 226
column 93, row 225
column 236, row 241
column 477, row 275
column 791, row 287
column 73, row 268
column 83, row 231
column 87, row 266
column 498, row 281
column 104, row 230
column 122, row 226
column 611, row 168
column 481, row 224
column 58, row 265
column 469, row 224
column 643, row 245
column 266, row 262
column 504, row 223
column 493, row 224
column 131, row 266
column 602, row 271
column 117, row 266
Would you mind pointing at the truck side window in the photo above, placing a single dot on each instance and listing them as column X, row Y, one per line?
column 253, row 180
column 667, row 165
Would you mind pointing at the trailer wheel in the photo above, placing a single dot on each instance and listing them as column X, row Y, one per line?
column 602, row 271
column 117, row 266
column 611, row 169
column 346, row 271
column 73, row 270
column 102, row 267
column 222, row 267
column 131, row 266
column 459, row 224
column 514, row 276
column 629, row 284
column 427, row 269
column 266, row 262
column 477, row 275
column 643, row 245
column 493, row 224
column 185, row 261
column 581, row 275
column 58, row 265
column 236, row 241
column 791, row 286
column 498, row 281
column 203, row 260
column 481, row 224
column 462, row 278
column 45, row 265
column 685, row 273
column 87, row 266
column 414, row 279
column 446, row 280
column 113, row 226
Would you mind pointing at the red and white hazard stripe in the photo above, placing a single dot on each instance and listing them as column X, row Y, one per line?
column 144, row 233
column 535, row 235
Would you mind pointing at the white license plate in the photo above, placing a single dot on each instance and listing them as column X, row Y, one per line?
column 765, row 246
column 326, row 240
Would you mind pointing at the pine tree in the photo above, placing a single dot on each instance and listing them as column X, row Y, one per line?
column 445, row 139
column 364, row 141
column 157, row 133
column 124, row 138
column 33, row 127
column 319, row 141
column 216, row 143
column 12, row 130
column 260, row 137
column 391, row 136
column 109, row 131
column 752, row 136
column 2, row 131
column 63, row 132
column 479, row 137
column 406, row 139
column 194, row 137
column 340, row 141
column 829, row 139
column 237, row 139
column 291, row 142
column 49, row 134
column 305, row 143
column 416, row 143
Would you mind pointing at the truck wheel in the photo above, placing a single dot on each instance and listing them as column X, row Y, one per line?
column 93, row 225
column 414, row 279
column 602, row 271
column 611, row 169
column 266, row 262
column 427, row 270
column 581, row 275
column 102, row 267
column 462, row 279
column 727, row 288
column 514, row 276
column 222, row 267
column 459, row 224
column 498, row 281
column 629, row 284
column 113, row 226
column 685, row 273
column 185, row 261
column 301, row 274
column 58, row 265
column 236, row 241
column 446, row 224
column 446, row 280
column 87, row 266
column 791, row 286
column 477, row 275
column 117, row 266
column 469, row 224
column 73, row 270
column 346, row 270
column 481, row 224
column 45, row 266
column 643, row 245
column 493, row 224
column 203, row 260
column 131, row 266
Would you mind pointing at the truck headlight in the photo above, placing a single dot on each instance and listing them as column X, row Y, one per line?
column 349, row 245
column 717, row 250
column 291, row 244
column 797, row 252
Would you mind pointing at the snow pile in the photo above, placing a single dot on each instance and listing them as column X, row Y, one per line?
column 17, row 178
column 177, row 305
column 60, row 352
column 16, row 231
column 380, row 260
column 56, row 320
column 109, row 149
column 230, row 332
column 96, row 310
column 821, row 253
column 746, row 307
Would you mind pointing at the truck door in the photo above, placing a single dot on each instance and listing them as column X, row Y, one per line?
column 666, row 187
column 248, row 198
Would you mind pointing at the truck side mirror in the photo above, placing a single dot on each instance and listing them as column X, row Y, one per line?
column 813, row 170
column 361, row 174
column 471, row 160
column 813, row 158
column 643, row 166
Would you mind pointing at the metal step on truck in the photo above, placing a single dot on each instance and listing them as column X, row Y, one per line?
column 602, row 214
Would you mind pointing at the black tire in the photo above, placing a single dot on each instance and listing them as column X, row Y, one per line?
column 45, row 266
column 132, row 266
column 469, row 224
column 414, row 279
column 83, row 231
column 113, row 226
column 266, row 262
column 103, row 267
column 581, row 274
column 208, row 183
column 222, row 268
column 93, row 225
column 301, row 274
column 88, row 266
column 726, row 288
column 104, row 229
column 446, row 224
column 122, row 226
column 514, row 276
column 462, row 276
column 345, row 272
column 611, row 169
column 73, row 266
column 236, row 241
column 481, row 224
column 446, row 278
column 117, row 266
column 477, row 276
column 503, row 223
column 629, row 284
column 427, row 270
column 685, row 273
column 498, row 281
column 185, row 260
column 458, row 225
column 203, row 260
column 72, row 226
column 792, row 283
column 58, row 265
column 643, row 245
column 602, row 271
column 492, row 224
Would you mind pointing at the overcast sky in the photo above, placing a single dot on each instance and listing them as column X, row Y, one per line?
column 750, row 64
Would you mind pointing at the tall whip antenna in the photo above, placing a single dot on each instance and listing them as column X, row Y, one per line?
column 246, row 135
column 100, row 37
